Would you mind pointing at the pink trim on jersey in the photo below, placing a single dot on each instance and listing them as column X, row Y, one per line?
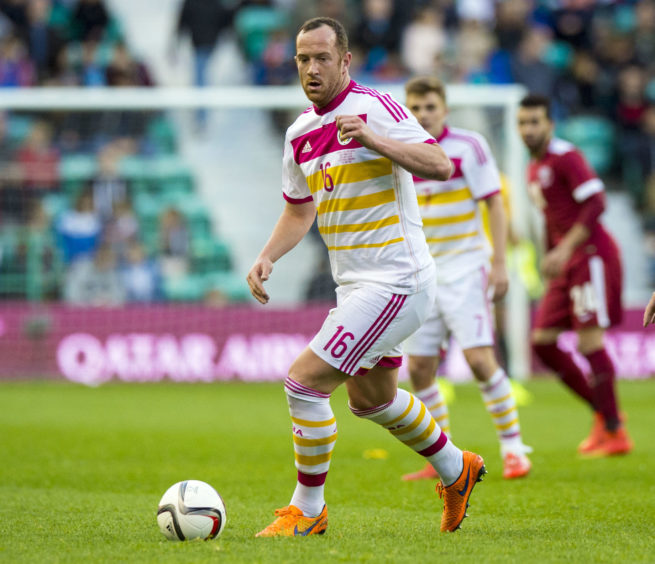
column 322, row 140
column 430, row 141
column 479, row 151
column 457, row 173
column 297, row 388
column 311, row 480
column 445, row 131
column 436, row 446
column 387, row 101
column 337, row 100
column 489, row 194
column 373, row 333
column 297, row 200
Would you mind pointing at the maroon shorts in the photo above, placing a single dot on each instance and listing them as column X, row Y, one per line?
column 586, row 294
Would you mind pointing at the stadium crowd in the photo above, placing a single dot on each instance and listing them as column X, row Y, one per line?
column 594, row 59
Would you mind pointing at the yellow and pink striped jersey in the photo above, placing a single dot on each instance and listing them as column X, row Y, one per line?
column 367, row 210
column 451, row 215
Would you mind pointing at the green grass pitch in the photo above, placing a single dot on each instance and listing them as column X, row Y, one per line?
column 82, row 470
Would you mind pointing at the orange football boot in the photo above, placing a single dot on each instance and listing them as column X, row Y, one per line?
column 456, row 496
column 291, row 522
column 426, row 473
column 614, row 443
column 594, row 440
column 515, row 466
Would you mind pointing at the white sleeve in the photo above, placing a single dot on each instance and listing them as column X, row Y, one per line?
column 394, row 120
column 480, row 169
column 294, row 185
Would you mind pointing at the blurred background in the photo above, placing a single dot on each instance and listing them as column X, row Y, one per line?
column 127, row 229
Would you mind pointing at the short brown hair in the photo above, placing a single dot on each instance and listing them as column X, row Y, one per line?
column 341, row 37
column 537, row 101
column 422, row 85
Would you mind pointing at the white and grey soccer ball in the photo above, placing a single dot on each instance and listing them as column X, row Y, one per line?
column 191, row 510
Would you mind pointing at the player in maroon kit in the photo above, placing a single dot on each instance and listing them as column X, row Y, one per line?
column 583, row 268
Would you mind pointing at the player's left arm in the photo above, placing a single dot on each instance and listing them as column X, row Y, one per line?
column 498, row 279
column 426, row 160
column 588, row 191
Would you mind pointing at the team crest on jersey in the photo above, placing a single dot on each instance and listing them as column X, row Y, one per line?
column 545, row 175
column 341, row 140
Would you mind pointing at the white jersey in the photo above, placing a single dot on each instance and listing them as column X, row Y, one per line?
column 450, row 211
column 368, row 214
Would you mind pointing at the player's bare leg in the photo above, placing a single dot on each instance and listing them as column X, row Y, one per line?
column 422, row 371
column 406, row 418
column 608, row 436
column 497, row 394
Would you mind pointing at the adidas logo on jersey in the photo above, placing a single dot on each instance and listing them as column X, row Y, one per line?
column 307, row 147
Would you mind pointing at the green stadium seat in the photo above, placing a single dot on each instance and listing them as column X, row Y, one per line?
column 210, row 256
column 234, row 286
column 18, row 128
column 254, row 25
column 190, row 288
column 595, row 136
column 162, row 135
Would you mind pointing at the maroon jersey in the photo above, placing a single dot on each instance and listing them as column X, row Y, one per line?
column 588, row 292
column 559, row 182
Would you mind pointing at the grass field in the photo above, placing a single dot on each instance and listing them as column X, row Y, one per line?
column 82, row 471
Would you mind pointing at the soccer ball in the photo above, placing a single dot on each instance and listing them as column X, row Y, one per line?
column 191, row 510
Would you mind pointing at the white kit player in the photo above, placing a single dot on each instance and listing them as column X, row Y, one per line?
column 467, row 282
column 349, row 159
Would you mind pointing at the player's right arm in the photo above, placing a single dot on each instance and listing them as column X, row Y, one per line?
column 291, row 227
column 649, row 313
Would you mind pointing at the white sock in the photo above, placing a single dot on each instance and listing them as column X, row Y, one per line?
column 314, row 436
column 436, row 405
column 407, row 419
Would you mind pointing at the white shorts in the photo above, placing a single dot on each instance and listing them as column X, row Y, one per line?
column 368, row 326
column 462, row 309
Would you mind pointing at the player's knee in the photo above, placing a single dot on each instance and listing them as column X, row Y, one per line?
column 482, row 363
column 422, row 370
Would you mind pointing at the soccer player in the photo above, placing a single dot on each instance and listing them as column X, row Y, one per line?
column 649, row 312
column 349, row 158
column 466, row 281
column 582, row 267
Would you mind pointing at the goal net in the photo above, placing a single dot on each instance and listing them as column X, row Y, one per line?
column 130, row 218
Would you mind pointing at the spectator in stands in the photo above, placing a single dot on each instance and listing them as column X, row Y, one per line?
column 173, row 243
column 378, row 34
column 89, row 20
column 528, row 66
column 109, row 186
column 9, row 171
column 124, row 70
column 633, row 145
column 91, row 71
column 43, row 41
column 38, row 163
column 79, row 229
column 95, row 281
column 424, row 41
column 140, row 275
column 204, row 21
column 16, row 68
column 121, row 229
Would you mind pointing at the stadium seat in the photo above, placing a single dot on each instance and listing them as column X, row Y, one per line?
column 188, row 288
column 595, row 136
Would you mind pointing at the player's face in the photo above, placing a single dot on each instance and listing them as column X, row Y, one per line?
column 535, row 128
column 430, row 110
column 322, row 69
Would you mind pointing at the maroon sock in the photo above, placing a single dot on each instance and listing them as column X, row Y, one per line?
column 602, row 383
column 568, row 371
